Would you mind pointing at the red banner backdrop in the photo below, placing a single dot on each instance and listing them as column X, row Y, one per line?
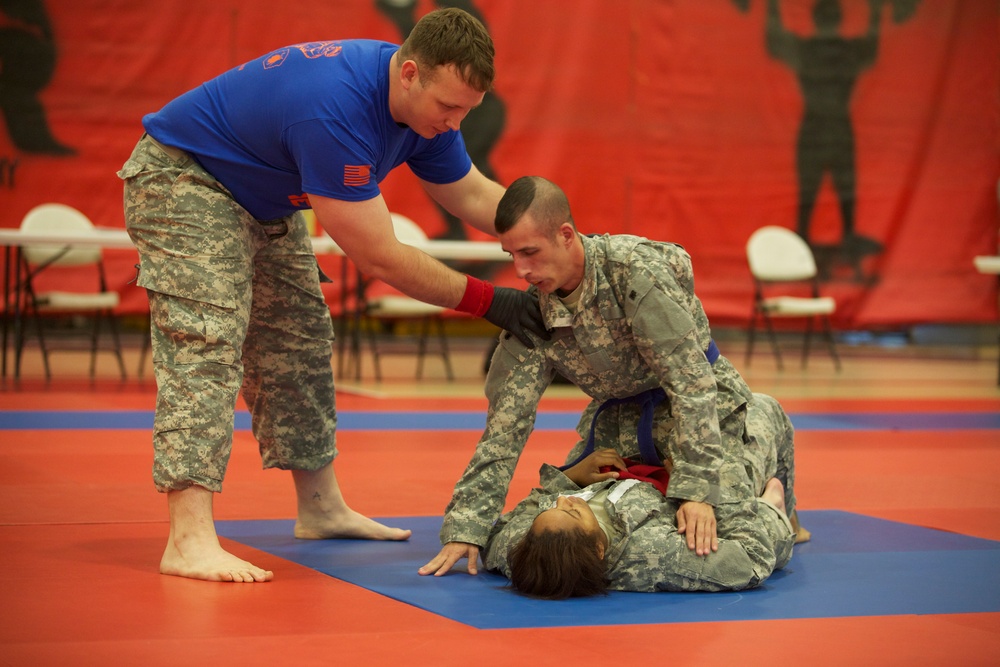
column 694, row 121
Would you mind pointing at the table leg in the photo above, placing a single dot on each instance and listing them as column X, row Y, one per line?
column 18, row 312
column 342, row 317
column 6, row 306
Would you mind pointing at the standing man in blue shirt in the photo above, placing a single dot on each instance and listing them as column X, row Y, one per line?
column 211, row 193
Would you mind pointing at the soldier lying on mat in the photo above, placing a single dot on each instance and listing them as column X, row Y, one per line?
column 629, row 331
column 605, row 524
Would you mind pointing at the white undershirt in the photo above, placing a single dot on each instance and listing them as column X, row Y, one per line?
column 596, row 501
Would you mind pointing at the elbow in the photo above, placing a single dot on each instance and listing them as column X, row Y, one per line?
column 378, row 263
column 375, row 270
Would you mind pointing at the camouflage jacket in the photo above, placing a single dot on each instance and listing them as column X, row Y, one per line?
column 645, row 553
column 638, row 326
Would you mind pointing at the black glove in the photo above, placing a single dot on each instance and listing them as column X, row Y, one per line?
column 517, row 311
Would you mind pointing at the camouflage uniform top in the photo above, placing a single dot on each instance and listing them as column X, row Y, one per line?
column 638, row 326
column 645, row 552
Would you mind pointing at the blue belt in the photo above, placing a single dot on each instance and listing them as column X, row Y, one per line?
column 647, row 401
column 712, row 353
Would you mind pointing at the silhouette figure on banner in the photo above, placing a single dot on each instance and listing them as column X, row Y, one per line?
column 482, row 127
column 828, row 65
column 27, row 63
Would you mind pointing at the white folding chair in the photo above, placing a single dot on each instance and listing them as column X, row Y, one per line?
column 57, row 220
column 780, row 257
column 392, row 309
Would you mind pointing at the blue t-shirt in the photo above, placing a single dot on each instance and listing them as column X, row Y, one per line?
column 308, row 118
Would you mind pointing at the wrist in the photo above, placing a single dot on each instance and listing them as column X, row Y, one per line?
column 477, row 298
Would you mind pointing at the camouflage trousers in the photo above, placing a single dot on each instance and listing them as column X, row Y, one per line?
column 768, row 451
column 235, row 303
column 763, row 532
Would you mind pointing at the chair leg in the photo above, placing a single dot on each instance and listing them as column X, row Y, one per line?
column 445, row 354
column 147, row 342
column 339, row 333
column 358, row 318
column 95, row 333
column 352, row 337
column 806, row 340
column 95, row 336
column 19, row 333
column 118, row 344
column 352, row 355
column 41, row 344
column 828, row 334
column 774, row 341
column 425, row 330
column 750, row 336
column 375, row 357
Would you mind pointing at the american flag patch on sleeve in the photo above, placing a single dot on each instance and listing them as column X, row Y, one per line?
column 357, row 174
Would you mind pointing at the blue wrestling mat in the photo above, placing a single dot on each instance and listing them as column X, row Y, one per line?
column 854, row 566
column 46, row 420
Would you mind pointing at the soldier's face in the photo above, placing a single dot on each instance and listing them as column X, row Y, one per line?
column 542, row 259
column 569, row 512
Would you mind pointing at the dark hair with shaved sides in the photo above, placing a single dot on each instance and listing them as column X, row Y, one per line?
column 544, row 199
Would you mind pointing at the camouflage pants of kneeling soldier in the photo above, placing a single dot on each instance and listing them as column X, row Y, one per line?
column 234, row 303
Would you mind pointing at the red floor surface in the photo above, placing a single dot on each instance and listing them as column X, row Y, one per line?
column 81, row 532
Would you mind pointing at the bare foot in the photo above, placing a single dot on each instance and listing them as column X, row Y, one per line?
column 324, row 515
column 801, row 534
column 348, row 525
column 774, row 493
column 193, row 548
column 200, row 559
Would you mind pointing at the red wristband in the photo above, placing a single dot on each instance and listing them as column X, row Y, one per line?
column 477, row 298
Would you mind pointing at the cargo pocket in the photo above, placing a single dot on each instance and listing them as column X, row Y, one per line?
column 728, row 569
column 599, row 360
column 196, row 310
column 513, row 346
